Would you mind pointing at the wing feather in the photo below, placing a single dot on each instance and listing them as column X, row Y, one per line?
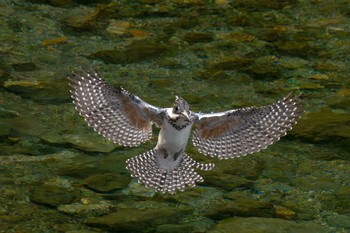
column 246, row 130
column 114, row 113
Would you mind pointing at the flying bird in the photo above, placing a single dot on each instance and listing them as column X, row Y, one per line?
column 127, row 120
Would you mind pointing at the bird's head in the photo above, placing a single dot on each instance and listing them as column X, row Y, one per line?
column 181, row 109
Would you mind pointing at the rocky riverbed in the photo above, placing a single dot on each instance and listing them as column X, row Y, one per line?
column 58, row 175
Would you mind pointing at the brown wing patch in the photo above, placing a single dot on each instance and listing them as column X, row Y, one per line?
column 208, row 130
column 246, row 130
column 131, row 112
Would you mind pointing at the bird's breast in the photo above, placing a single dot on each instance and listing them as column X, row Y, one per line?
column 172, row 139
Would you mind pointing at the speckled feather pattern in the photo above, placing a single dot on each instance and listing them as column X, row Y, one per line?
column 127, row 120
column 257, row 128
column 101, row 106
column 146, row 168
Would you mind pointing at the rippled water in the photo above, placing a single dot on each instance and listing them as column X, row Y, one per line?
column 57, row 175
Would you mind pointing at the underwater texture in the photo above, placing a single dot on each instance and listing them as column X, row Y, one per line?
column 58, row 175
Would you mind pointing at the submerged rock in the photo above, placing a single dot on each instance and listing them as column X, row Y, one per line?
column 53, row 195
column 227, row 181
column 237, row 37
column 240, row 204
column 266, row 225
column 265, row 67
column 197, row 37
column 342, row 201
column 85, row 142
column 193, row 225
column 24, row 87
column 26, row 66
column 241, row 171
column 107, row 182
column 339, row 221
column 83, row 18
column 54, row 41
column 139, row 190
column 87, row 210
column 16, row 84
column 135, row 220
column 119, row 28
column 198, row 197
column 137, row 51
column 303, row 204
column 36, row 84
column 174, row 228
column 84, row 166
column 323, row 125
column 284, row 212
column 230, row 63
column 296, row 48
column 80, row 170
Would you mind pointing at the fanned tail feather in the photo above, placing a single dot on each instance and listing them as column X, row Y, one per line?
column 146, row 168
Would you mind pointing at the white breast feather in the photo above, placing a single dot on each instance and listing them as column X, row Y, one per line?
column 172, row 139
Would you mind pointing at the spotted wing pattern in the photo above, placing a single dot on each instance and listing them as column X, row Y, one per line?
column 147, row 170
column 244, row 131
column 114, row 113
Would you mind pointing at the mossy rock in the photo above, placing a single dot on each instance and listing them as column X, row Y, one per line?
column 87, row 142
column 52, row 195
column 342, row 205
column 86, row 210
column 267, row 225
column 240, row 204
column 197, row 37
column 323, row 125
column 80, row 170
column 135, row 52
column 230, row 63
column 107, row 182
column 174, row 228
column 339, row 221
column 26, row 66
column 227, row 181
column 266, row 67
column 135, row 220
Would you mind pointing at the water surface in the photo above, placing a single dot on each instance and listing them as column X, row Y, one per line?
column 57, row 175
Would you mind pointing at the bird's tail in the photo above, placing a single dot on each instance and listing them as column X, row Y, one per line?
column 147, row 169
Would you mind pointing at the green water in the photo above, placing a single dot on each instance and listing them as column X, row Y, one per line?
column 58, row 175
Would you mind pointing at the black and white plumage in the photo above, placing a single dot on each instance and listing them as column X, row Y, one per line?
column 127, row 120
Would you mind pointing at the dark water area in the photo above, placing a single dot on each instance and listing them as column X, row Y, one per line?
column 58, row 175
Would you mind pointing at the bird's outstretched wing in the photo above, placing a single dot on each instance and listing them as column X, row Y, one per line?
column 246, row 130
column 114, row 113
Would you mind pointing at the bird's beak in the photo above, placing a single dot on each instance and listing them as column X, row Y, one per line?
column 185, row 114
